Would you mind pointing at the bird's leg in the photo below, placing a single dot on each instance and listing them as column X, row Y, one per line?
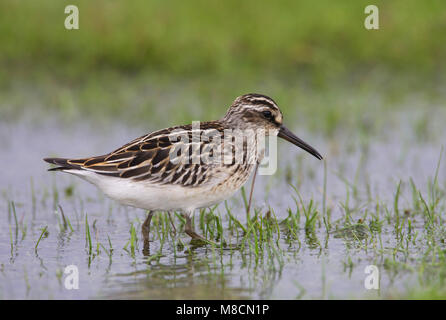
column 190, row 230
column 145, row 230
column 252, row 189
column 171, row 222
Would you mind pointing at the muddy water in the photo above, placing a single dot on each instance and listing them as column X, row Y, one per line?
column 303, row 269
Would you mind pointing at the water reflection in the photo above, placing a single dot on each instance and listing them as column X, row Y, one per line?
column 192, row 275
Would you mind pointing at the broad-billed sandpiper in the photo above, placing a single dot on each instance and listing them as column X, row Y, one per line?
column 184, row 168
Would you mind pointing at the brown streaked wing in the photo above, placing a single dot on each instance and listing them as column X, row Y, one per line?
column 148, row 158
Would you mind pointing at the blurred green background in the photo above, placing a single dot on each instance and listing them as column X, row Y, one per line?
column 175, row 60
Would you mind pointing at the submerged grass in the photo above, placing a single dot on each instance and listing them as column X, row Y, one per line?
column 43, row 234
column 264, row 243
column 88, row 242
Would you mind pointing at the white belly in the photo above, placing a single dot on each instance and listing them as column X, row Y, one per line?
column 149, row 196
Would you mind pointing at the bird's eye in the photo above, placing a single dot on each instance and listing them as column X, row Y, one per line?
column 267, row 114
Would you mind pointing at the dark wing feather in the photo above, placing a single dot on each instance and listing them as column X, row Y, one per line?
column 152, row 158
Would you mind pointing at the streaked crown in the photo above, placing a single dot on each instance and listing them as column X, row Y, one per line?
column 254, row 111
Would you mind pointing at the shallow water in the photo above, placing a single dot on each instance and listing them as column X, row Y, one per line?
column 316, row 265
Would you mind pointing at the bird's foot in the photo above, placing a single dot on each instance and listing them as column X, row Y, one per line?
column 196, row 239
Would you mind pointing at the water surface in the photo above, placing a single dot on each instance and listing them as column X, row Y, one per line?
column 360, row 174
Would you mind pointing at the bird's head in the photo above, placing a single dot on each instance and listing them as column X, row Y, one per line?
column 256, row 111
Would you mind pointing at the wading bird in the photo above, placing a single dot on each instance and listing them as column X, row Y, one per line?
column 165, row 170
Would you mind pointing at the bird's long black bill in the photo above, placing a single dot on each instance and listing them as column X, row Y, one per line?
column 286, row 134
